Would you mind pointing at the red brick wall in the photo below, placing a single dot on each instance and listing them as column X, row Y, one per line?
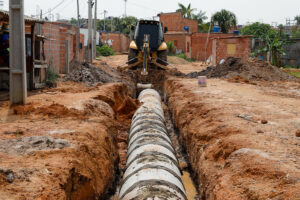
column 178, row 39
column 120, row 42
column 175, row 22
column 193, row 24
column 221, row 48
column 199, row 42
column 55, row 45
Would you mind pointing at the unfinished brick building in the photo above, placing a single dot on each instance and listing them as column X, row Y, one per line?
column 118, row 41
column 202, row 46
column 60, row 46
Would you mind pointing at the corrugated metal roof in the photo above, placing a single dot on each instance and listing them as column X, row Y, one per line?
column 5, row 16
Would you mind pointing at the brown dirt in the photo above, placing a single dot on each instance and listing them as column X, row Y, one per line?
column 233, row 154
column 252, row 70
column 65, row 143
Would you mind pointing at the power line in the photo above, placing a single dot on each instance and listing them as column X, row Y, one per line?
column 51, row 10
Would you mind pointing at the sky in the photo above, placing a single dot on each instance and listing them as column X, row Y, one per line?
column 247, row 11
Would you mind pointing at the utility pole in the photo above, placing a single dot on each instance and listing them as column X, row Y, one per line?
column 78, row 34
column 95, row 31
column 17, row 62
column 105, row 11
column 125, row 8
column 90, row 53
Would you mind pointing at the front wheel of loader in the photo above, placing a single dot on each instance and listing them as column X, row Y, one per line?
column 163, row 55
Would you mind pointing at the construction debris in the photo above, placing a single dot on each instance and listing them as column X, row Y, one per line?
column 250, row 70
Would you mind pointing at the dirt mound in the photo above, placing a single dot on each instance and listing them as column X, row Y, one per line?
column 250, row 70
column 53, row 110
column 88, row 73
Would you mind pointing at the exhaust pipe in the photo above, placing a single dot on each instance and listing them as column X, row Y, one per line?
column 152, row 170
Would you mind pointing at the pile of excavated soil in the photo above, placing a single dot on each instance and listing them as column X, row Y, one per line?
column 88, row 73
column 97, row 73
column 53, row 149
column 250, row 70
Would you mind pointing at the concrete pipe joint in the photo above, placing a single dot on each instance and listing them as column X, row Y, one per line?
column 152, row 170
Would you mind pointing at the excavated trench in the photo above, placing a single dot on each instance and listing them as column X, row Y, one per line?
column 157, row 77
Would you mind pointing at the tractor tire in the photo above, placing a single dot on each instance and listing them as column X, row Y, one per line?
column 163, row 55
column 132, row 54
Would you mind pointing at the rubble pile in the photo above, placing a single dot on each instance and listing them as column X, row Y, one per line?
column 88, row 73
column 250, row 70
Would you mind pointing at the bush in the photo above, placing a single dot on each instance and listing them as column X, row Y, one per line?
column 51, row 78
column 171, row 47
column 104, row 51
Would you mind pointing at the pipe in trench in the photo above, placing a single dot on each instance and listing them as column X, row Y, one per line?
column 152, row 170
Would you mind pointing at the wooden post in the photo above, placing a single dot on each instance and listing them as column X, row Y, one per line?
column 17, row 61
column 67, row 57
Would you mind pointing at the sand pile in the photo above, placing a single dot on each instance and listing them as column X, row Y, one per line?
column 250, row 70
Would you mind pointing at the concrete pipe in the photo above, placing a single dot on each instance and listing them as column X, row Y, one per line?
column 152, row 170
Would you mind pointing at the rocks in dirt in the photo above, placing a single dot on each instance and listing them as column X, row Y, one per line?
column 246, row 117
column 31, row 144
column 298, row 133
column 263, row 121
column 88, row 73
column 7, row 174
column 244, row 71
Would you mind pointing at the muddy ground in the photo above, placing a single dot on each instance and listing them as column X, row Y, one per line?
column 239, row 133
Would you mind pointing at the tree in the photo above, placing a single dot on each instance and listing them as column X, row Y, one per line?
column 187, row 12
column 275, row 47
column 297, row 18
column 200, row 17
column 225, row 19
column 259, row 30
column 122, row 25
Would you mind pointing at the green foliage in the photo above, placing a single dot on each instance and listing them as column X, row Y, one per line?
column 73, row 21
column 122, row 25
column 51, row 75
column 200, row 17
column 275, row 47
column 203, row 28
column 183, row 56
column 259, row 30
column 297, row 18
column 297, row 74
column 171, row 47
column 225, row 19
column 104, row 51
column 295, row 32
column 187, row 12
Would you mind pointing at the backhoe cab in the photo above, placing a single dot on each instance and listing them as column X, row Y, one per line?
column 148, row 46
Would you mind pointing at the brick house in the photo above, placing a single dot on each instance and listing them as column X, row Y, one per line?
column 118, row 41
column 60, row 46
column 203, row 46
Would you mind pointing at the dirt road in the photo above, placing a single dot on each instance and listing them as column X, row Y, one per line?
column 240, row 138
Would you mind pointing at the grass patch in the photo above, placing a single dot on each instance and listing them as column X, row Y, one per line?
column 297, row 74
column 183, row 56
